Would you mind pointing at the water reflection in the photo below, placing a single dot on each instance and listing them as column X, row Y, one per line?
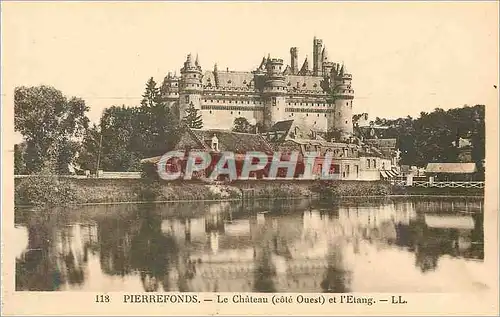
column 259, row 246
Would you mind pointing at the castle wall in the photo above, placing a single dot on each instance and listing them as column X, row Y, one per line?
column 220, row 109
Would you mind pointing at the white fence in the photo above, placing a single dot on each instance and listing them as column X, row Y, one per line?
column 447, row 184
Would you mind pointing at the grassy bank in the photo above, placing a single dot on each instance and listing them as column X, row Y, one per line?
column 54, row 191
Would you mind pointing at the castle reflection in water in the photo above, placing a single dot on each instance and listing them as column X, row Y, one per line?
column 262, row 246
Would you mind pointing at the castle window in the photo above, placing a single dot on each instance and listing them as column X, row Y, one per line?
column 318, row 114
column 314, row 122
column 231, row 112
column 239, row 112
column 325, row 114
column 307, row 115
column 210, row 112
column 187, row 98
column 346, row 122
column 347, row 103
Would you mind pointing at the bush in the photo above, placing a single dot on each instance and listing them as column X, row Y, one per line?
column 149, row 171
column 45, row 190
column 149, row 191
column 223, row 192
column 353, row 188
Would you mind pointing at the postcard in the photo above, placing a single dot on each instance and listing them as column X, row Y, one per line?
column 249, row 158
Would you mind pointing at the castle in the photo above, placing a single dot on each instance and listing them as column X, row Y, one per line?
column 318, row 100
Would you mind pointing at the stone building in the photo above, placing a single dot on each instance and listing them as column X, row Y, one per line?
column 318, row 99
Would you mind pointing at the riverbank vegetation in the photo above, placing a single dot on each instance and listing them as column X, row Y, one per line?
column 51, row 190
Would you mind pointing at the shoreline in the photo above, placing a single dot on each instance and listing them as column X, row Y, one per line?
column 473, row 197
column 87, row 192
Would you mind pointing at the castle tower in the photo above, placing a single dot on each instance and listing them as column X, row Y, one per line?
column 327, row 66
column 342, row 96
column 317, row 58
column 170, row 89
column 294, row 62
column 191, row 86
column 274, row 92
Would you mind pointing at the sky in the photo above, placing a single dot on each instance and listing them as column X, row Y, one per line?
column 405, row 57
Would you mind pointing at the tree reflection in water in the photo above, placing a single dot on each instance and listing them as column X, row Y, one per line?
column 49, row 261
column 337, row 276
column 152, row 252
column 264, row 272
column 131, row 241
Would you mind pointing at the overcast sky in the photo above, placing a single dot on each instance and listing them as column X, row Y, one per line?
column 404, row 57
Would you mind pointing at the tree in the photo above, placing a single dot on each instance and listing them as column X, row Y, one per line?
column 90, row 148
column 158, row 125
column 242, row 125
column 130, row 134
column 48, row 121
column 19, row 163
column 151, row 96
column 333, row 134
column 432, row 137
column 193, row 119
column 118, row 126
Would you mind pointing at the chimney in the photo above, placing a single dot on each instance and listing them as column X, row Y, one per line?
column 294, row 60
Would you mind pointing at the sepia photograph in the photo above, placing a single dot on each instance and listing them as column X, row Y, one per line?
column 244, row 149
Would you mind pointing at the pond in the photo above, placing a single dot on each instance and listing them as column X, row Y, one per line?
column 398, row 245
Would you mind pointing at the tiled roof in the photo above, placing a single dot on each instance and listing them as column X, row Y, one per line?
column 234, row 141
column 229, row 79
column 282, row 126
column 298, row 83
column 235, row 79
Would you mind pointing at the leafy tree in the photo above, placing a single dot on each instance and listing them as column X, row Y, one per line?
column 19, row 163
column 66, row 156
column 333, row 134
column 193, row 119
column 130, row 134
column 118, row 126
column 241, row 124
column 89, row 152
column 433, row 137
column 48, row 121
